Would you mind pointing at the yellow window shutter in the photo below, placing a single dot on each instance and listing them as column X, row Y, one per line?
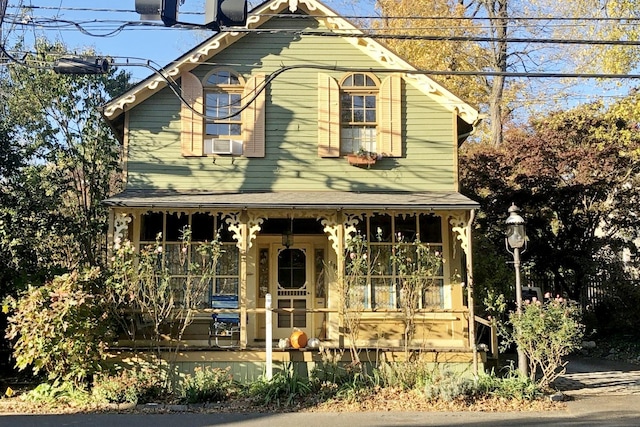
column 328, row 116
column 253, row 123
column 191, row 135
column 390, row 117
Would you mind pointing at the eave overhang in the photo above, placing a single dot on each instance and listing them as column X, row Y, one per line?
column 327, row 200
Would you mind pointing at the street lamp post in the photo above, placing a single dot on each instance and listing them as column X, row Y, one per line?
column 516, row 239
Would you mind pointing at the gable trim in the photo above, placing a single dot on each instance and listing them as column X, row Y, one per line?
column 258, row 17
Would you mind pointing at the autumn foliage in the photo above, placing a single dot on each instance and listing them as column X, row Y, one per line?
column 575, row 175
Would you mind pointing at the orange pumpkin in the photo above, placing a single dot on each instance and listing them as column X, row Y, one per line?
column 298, row 339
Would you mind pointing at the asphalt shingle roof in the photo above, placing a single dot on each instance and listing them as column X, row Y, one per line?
column 292, row 200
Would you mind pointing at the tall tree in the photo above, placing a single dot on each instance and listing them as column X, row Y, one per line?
column 51, row 216
column 497, row 13
column 499, row 23
column 444, row 19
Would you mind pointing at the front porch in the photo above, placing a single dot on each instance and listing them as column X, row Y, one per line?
column 298, row 254
column 249, row 362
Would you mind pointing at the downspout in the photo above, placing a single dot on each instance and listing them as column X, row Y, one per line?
column 470, row 302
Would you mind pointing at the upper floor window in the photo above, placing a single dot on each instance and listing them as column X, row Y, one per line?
column 358, row 117
column 223, row 100
column 222, row 114
column 360, row 113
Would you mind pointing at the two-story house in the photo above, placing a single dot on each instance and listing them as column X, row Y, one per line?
column 251, row 135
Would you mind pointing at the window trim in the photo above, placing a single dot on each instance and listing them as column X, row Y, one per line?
column 391, row 277
column 351, row 92
column 169, row 246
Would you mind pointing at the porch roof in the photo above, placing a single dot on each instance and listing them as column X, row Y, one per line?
column 292, row 200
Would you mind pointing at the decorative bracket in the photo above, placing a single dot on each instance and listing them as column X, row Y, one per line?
column 121, row 227
column 253, row 223
column 459, row 227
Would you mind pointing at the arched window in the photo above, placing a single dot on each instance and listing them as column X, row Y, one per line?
column 223, row 99
column 358, row 113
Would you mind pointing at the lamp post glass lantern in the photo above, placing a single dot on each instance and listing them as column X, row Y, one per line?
column 515, row 241
column 516, row 236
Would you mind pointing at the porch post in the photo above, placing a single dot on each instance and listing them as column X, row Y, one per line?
column 463, row 228
column 244, row 249
column 339, row 248
column 472, row 313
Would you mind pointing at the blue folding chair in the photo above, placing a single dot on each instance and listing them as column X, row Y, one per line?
column 224, row 328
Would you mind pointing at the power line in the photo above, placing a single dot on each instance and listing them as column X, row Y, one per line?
column 366, row 33
column 439, row 38
column 272, row 76
column 91, row 9
column 364, row 17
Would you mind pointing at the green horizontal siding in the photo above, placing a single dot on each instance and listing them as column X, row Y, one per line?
column 291, row 161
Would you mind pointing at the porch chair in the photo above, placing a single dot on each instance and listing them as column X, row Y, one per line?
column 224, row 328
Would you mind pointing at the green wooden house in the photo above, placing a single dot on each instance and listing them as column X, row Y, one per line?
column 287, row 138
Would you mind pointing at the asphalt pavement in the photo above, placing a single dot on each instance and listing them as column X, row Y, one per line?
column 600, row 393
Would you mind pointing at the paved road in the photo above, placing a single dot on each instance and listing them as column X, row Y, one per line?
column 603, row 394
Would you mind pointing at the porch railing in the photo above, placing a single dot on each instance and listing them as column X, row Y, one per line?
column 493, row 336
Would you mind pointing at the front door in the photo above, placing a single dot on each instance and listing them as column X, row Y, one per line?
column 292, row 279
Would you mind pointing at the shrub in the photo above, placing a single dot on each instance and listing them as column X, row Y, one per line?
column 448, row 386
column 405, row 375
column 283, row 389
column 207, row 385
column 56, row 393
column 512, row 386
column 60, row 327
column 546, row 332
column 139, row 385
column 332, row 370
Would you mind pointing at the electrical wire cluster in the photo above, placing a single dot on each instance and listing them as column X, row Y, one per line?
column 26, row 16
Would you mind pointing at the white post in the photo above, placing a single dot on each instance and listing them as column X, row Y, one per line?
column 269, row 337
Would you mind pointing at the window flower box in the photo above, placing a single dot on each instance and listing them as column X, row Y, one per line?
column 362, row 159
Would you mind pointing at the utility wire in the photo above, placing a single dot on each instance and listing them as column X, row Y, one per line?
column 92, row 9
column 364, row 17
column 365, row 33
column 436, row 37
column 270, row 77
column 247, row 100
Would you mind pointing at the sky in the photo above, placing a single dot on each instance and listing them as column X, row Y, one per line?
column 154, row 42
column 149, row 42
column 159, row 44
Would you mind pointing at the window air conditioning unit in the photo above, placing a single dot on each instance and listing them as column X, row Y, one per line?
column 218, row 146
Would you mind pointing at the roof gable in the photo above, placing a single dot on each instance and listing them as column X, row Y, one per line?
column 257, row 18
